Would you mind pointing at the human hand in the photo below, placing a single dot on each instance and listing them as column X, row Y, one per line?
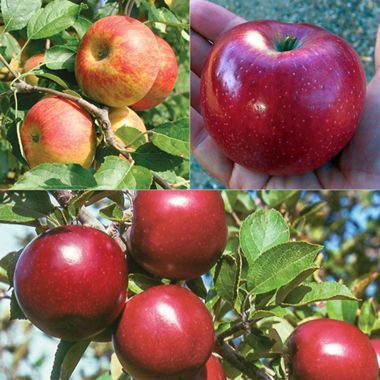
column 357, row 166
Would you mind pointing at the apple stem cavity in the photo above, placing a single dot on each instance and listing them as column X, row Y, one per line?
column 286, row 44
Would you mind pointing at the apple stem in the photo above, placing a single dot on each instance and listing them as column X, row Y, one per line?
column 287, row 43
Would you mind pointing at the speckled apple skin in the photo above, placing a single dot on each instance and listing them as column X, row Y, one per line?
column 165, row 333
column 376, row 345
column 331, row 350
column 282, row 113
column 213, row 370
column 165, row 81
column 56, row 130
column 178, row 234
column 130, row 64
column 30, row 64
column 71, row 282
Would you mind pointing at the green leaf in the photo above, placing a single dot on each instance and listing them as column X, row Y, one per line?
column 16, row 312
column 131, row 137
column 81, row 26
column 60, row 58
column 173, row 138
column 197, row 286
column 24, row 208
column 116, row 173
column 367, row 317
column 66, row 358
column 138, row 282
column 155, row 159
column 52, row 77
column 227, row 277
column 56, row 177
column 280, row 265
column 342, row 310
column 112, row 212
column 11, row 47
column 165, row 16
column 261, row 231
column 17, row 13
column 275, row 198
column 54, row 18
column 314, row 292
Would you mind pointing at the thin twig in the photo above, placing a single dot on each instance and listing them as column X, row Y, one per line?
column 8, row 66
column 129, row 7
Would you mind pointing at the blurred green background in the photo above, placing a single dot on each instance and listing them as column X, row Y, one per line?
column 356, row 21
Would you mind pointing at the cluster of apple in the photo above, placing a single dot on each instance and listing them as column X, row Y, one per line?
column 120, row 63
column 71, row 282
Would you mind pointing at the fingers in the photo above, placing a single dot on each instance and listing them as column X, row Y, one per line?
column 199, row 49
column 207, row 153
column 210, row 20
column 377, row 50
column 195, row 92
column 306, row 181
column 247, row 179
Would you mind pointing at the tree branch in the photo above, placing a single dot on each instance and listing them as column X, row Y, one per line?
column 8, row 66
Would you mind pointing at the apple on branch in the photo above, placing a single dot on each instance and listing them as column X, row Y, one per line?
column 282, row 99
column 57, row 130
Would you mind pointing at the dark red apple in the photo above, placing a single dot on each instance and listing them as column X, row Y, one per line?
column 71, row 282
column 213, row 370
column 165, row 333
column 331, row 350
column 280, row 98
column 376, row 345
column 178, row 234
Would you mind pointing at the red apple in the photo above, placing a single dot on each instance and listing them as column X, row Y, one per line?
column 376, row 345
column 165, row 333
column 177, row 234
column 213, row 370
column 71, row 282
column 282, row 99
column 57, row 130
column 165, row 80
column 30, row 64
column 331, row 350
column 118, row 61
column 125, row 117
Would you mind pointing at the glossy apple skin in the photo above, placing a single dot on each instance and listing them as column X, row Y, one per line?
column 177, row 234
column 118, row 61
column 126, row 117
column 376, row 345
column 281, row 113
column 164, row 333
column 213, row 370
column 30, row 64
column 165, row 81
column 57, row 130
column 331, row 350
column 71, row 282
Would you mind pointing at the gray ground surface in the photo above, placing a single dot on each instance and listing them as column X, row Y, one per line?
column 355, row 20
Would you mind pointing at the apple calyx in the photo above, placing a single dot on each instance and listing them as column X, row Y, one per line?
column 286, row 44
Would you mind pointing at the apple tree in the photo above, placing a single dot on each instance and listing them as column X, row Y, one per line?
column 292, row 259
column 86, row 94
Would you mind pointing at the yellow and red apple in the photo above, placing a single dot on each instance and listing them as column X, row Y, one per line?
column 165, row 80
column 30, row 64
column 118, row 61
column 125, row 117
column 57, row 130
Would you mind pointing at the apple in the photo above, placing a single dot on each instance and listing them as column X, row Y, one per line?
column 5, row 74
column 57, row 130
column 177, row 234
column 117, row 61
column 282, row 99
column 213, row 370
column 165, row 81
column 376, row 345
column 30, row 64
column 71, row 282
column 126, row 117
column 331, row 350
column 164, row 333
